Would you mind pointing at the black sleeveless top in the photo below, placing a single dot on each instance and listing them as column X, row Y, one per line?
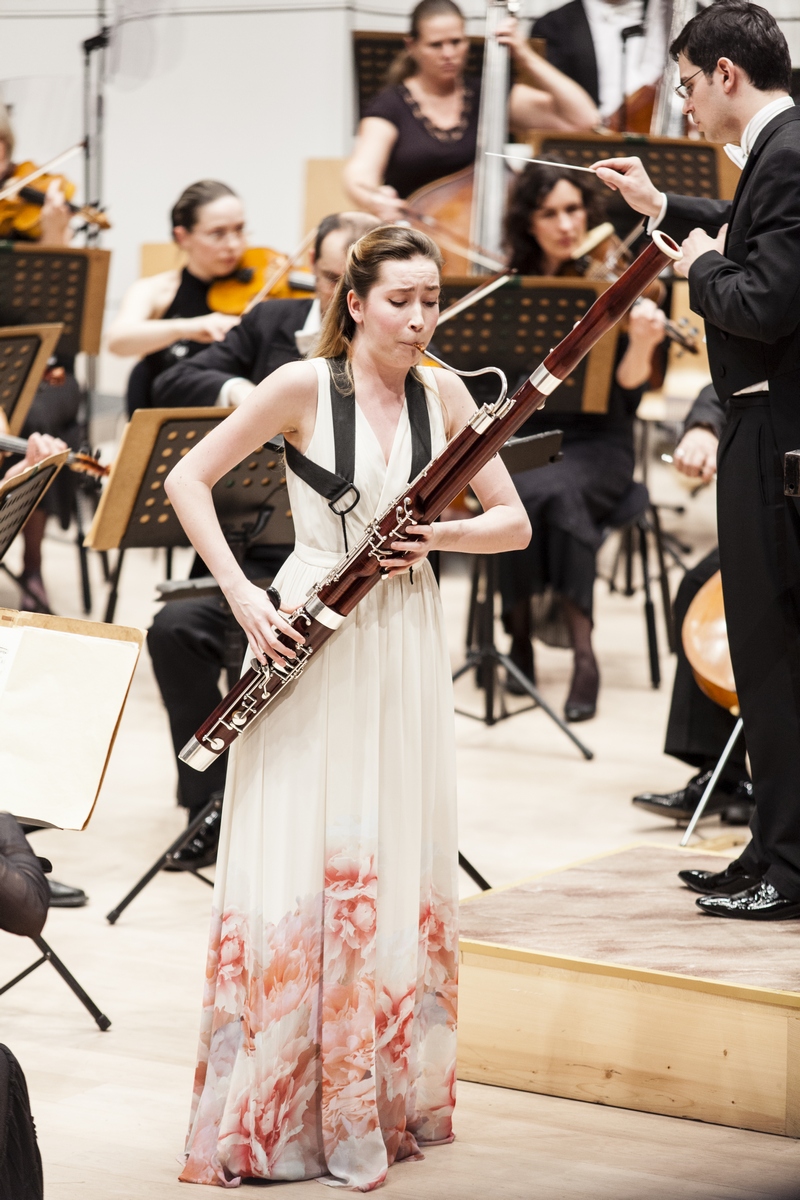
column 190, row 300
column 423, row 152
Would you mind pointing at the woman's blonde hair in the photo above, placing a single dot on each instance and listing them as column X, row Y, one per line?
column 387, row 243
column 404, row 65
column 6, row 132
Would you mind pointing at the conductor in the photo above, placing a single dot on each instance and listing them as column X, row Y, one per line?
column 743, row 268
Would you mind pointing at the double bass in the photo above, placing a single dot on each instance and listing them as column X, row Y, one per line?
column 464, row 211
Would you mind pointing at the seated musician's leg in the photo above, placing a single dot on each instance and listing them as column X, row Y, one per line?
column 54, row 410
column 186, row 643
column 697, row 731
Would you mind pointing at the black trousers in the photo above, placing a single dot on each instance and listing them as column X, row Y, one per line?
column 698, row 729
column 187, row 642
column 187, row 647
column 759, row 544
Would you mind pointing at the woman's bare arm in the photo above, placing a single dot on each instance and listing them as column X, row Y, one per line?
column 365, row 170
column 138, row 328
column 284, row 403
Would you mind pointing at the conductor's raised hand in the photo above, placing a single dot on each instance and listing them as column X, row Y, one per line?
column 628, row 177
column 411, row 551
column 262, row 622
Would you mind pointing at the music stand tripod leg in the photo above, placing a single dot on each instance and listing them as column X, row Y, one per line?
column 186, row 836
column 102, row 1020
column 536, row 695
column 111, row 606
column 712, row 783
column 23, row 587
column 473, row 873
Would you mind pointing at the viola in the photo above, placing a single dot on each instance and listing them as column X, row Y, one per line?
column 21, row 203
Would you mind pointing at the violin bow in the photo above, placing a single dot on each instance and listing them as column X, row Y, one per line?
column 478, row 293
column 17, row 185
column 284, row 269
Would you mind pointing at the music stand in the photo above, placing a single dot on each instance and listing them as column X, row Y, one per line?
column 253, row 508
column 49, row 284
column 19, row 496
column 48, row 955
column 516, row 326
column 135, row 513
column 483, row 655
column 24, row 354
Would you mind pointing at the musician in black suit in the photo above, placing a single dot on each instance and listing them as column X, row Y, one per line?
column 743, row 268
column 585, row 41
column 187, row 638
column 697, row 728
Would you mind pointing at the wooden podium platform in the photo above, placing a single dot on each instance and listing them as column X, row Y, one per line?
column 604, row 982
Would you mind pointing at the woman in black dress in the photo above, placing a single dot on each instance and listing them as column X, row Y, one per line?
column 547, row 588
column 424, row 125
column 166, row 317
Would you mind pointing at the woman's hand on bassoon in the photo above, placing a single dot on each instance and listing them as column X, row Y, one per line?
column 262, row 624
column 412, row 551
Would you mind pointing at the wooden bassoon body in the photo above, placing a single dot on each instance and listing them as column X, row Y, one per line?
column 426, row 497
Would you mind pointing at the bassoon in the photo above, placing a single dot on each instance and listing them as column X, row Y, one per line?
column 426, row 497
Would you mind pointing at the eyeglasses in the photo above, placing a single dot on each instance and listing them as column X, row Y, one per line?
column 682, row 90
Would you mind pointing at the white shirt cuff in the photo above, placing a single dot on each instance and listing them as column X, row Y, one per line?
column 654, row 222
column 222, row 400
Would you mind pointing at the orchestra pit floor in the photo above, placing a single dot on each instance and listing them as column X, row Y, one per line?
column 111, row 1108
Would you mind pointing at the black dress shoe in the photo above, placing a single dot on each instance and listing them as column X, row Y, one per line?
column 730, row 882
column 201, row 851
column 762, row 902
column 64, row 896
column 680, row 805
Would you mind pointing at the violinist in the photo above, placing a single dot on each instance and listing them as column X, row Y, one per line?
column 56, row 404
column 166, row 317
column 547, row 588
column 424, row 125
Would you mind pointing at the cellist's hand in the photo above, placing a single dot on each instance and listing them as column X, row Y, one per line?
column 387, row 205
column 55, row 217
column 696, row 454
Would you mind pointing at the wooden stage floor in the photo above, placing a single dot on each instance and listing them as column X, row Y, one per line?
column 603, row 981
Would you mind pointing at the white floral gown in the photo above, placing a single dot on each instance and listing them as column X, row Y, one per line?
column 328, row 1037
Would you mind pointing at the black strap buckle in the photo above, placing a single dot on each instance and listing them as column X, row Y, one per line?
column 334, row 504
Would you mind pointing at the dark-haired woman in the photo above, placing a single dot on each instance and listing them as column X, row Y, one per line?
column 547, row 588
column 328, row 1038
column 166, row 317
column 424, row 125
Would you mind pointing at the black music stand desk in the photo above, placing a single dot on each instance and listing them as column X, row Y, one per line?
column 483, row 655
column 24, row 354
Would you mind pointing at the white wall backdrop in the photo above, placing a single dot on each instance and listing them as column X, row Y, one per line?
column 239, row 90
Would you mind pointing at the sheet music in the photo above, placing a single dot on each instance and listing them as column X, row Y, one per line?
column 61, row 695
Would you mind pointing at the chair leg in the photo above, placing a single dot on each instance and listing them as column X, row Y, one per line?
column 663, row 578
column 649, row 609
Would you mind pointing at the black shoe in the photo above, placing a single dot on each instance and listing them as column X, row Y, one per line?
column 740, row 810
column 64, row 896
column 201, row 851
column 762, row 902
column 680, row 805
column 730, row 882
column 581, row 703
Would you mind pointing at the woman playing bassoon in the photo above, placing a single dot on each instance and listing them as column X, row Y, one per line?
column 328, row 1033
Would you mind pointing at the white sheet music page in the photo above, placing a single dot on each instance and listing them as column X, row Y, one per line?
column 61, row 696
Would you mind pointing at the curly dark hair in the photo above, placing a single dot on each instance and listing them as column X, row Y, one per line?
column 528, row 193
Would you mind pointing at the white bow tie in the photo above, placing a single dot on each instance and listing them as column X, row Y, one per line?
column 736, row 154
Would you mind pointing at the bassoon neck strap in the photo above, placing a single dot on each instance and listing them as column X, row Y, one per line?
column 338, row 487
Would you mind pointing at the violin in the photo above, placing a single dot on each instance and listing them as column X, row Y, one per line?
column 262, row 273
column 21, row 203
column 84, row 464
